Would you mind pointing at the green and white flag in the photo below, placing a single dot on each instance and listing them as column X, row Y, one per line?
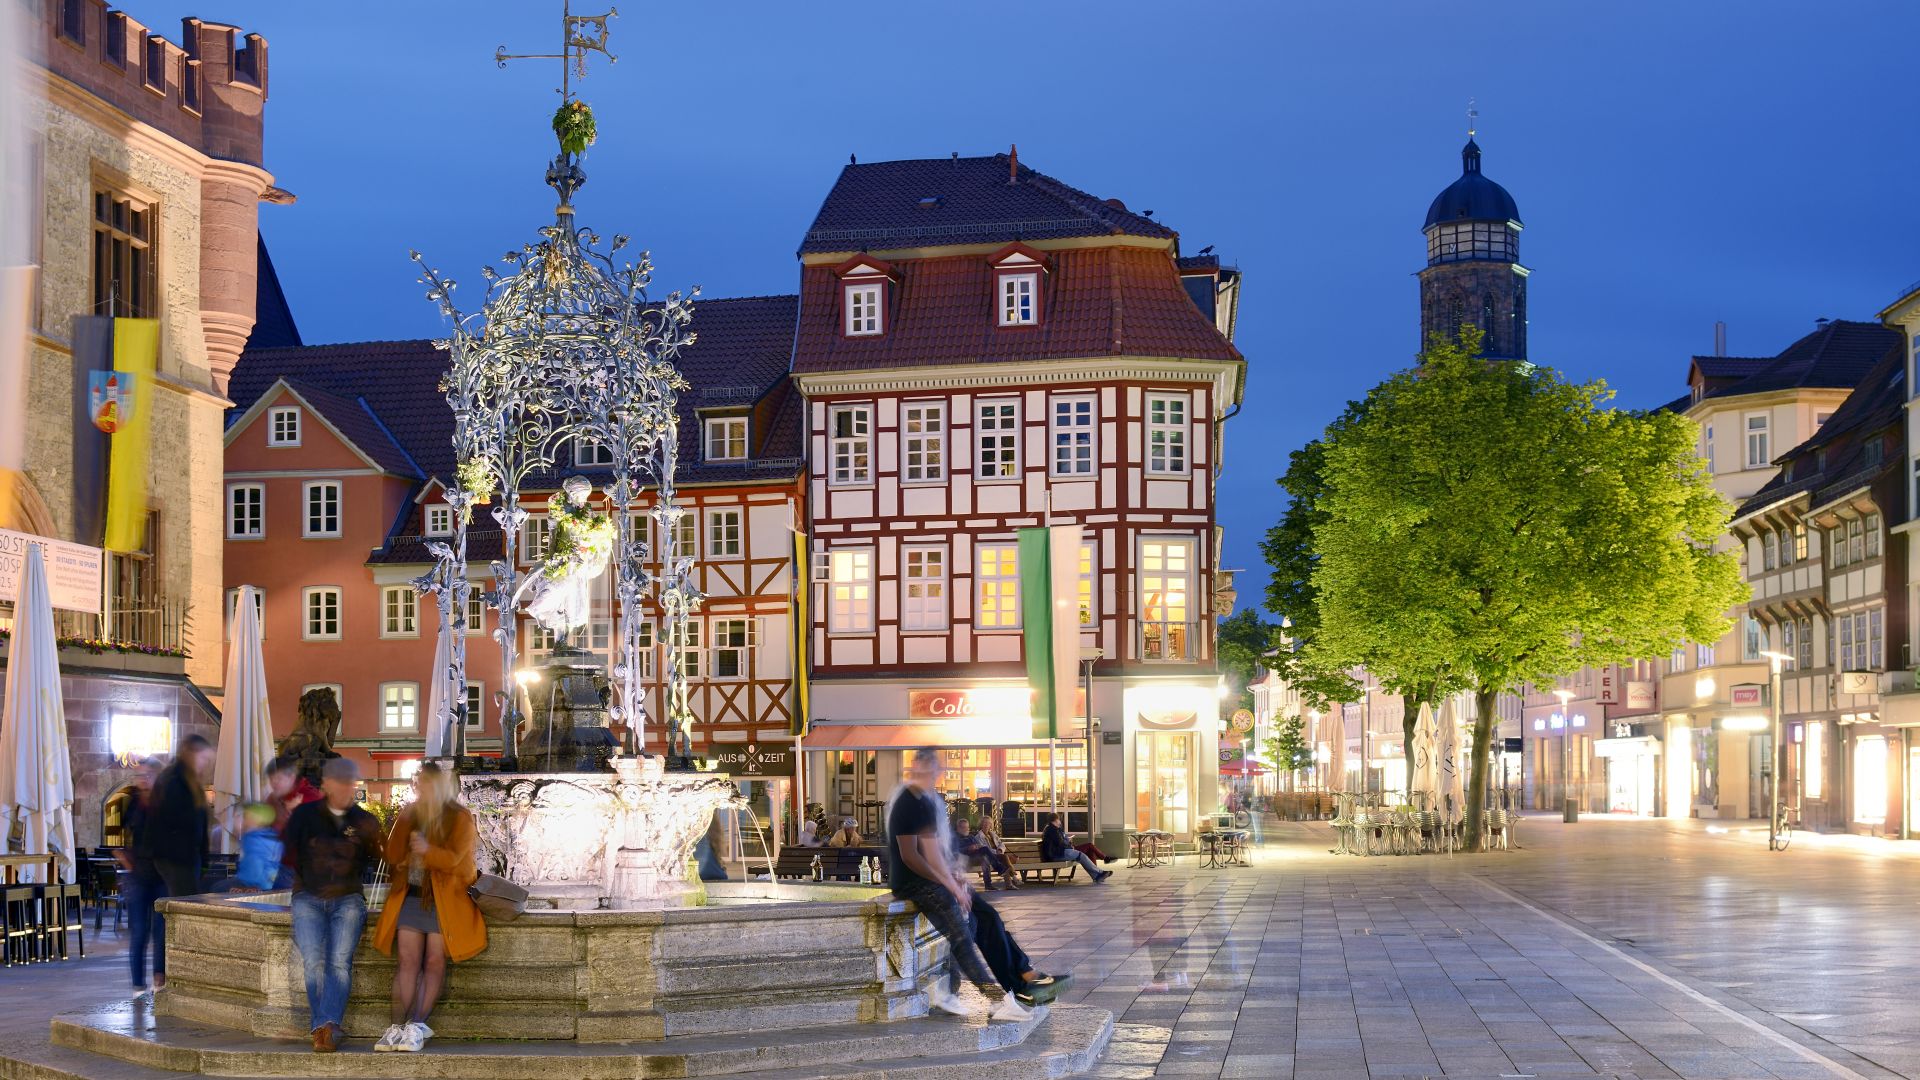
column 1050, row 618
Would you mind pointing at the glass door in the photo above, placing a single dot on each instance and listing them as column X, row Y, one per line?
column 1164, row 781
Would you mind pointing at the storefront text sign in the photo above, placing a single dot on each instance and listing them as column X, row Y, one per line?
column 753, row 760
column 1609, row 692
column 1640, row 695
column 978, row 702
column 1747, row 695
column 73, row 570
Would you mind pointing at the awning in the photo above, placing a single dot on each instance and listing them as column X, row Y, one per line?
column 911, row 735
column 1639, row 746
column 1237, row 769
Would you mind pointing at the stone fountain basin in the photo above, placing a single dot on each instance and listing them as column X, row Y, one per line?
column 757, row 957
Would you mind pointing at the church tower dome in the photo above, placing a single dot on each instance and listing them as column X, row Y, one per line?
column 1473, row 273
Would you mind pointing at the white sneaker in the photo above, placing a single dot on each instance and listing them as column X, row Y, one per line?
column 940, row 999
column 390, row 1039
column 412, row 1038
column 1010, row 1009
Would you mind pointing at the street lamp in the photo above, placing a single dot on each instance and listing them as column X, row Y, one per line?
column 1570, row 810
column 1774, row 661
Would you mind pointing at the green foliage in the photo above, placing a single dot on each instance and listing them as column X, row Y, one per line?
column 1288, row 547
column 574, row 125
column 1287, row 749
column 1242, row 639
column 1487, row 524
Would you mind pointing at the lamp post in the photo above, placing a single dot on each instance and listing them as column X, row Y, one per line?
column 1775, row 660
column 1570, row 809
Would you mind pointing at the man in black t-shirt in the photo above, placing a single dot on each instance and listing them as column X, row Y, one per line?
column 919, row 870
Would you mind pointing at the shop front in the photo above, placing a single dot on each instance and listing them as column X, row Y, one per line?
column 1172, row 742
column 1632, row 766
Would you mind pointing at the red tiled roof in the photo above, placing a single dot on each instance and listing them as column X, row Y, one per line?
column 1104, row 301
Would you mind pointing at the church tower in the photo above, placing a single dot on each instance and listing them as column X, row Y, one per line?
column 1473, row 272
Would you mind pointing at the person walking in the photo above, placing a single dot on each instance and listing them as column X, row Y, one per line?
column 1054, row 848
column 177, row 818
column 143, row 884
column 919, row 870
column 333, row 846
column 429, row 918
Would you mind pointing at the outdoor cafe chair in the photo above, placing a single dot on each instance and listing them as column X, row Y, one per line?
column 62, row 918
column 22, row 926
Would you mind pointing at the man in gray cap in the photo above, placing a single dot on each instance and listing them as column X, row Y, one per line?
column 332, row 845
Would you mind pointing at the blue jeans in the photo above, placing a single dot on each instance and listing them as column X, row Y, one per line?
column 1081, row 858
column 327, row 932
column 139, row 894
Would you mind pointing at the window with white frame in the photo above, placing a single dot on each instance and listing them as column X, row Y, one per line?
column 923, row 588
column 726, row 438
column 259, row 610
column 1072, row 435
column 851, row 443
column 1856, row 541
column 1167, row 624
column 1706, row 447
column 863, row 310
column 1758, row 455
column 1677, row 662
column 589, row 452
column 283, row 425
column 1804, row 658
column 539, row 638
column 322, row 604
column 323, row 508
column 1753, row 640
column 723, row 534
column 399, row 706
column 923, row 442
column 246, row 511
column 996, row 587
column 643, row 642
column 1018, row 306
column 439, row 520
column 1166, row 433
column 1086, row 589
column 996, row 427
column 1799, row 543
column 536, row 534
column 1872, row 529
column 476, row 705
column 850, row 590
column 686, row 647
column 399, row 611
column 1770, row 547
column 686, row 536
column 1703, row 655
column 476, row 620
column 733, row 639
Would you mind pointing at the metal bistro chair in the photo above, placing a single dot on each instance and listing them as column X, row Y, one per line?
column 63, row 917
column 1499, row 831
column 1343, row 823
column 22, row 930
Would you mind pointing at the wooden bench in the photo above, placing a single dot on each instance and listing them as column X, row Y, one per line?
column 1031, row 871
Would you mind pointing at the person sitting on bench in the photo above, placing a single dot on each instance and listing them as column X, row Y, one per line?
column 969, row 846
column 1054, row 848
column 848, row 835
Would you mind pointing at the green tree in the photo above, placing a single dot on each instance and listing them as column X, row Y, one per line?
column 1242, row 641
column 1288, row 547
column 1287, row 749
column 1490, row 524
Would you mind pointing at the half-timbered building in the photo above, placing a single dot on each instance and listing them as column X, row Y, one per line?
column 983, row 348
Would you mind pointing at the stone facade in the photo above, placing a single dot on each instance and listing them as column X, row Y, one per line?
column 1490, row 295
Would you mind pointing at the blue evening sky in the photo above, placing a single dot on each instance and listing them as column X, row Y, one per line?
column 1675, row 163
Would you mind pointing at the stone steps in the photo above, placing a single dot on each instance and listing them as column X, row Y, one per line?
column 125, row 1042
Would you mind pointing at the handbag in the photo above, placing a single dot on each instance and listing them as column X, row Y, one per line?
column 497, row 898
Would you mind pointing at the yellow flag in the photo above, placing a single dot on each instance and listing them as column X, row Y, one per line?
column 136, row 348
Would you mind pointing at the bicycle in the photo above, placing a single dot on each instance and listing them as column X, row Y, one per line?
column 1784, row 826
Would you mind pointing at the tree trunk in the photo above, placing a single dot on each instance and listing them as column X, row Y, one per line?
column 1485, row 702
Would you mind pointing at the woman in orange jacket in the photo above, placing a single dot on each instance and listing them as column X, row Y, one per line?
column 428, row 912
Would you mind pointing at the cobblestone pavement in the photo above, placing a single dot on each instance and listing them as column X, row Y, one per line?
column 1612, row 948
column 1617, row 948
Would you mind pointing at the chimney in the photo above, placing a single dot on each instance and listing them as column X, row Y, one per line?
column 1013, row 163
column 1719, row 339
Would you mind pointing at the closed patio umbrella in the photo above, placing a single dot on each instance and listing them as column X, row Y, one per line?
column 1448, row 794
column 246, row 728
column 440, row 695
column 1422, row 774
column 36, row 773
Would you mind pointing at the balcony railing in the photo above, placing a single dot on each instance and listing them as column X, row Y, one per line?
column 1169, row 642
column 151, row 623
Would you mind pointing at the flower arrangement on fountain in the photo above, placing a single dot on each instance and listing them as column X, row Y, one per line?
column 578, row 552
column 574, row 125
column 477, row 479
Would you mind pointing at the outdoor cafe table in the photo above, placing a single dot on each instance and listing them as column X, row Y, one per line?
column 12, row 864
column 1144, row 846
column 1222, row 841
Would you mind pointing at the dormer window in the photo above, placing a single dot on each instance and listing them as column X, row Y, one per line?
column 1017, row 303
column 283, row 425
column 726, row 438
column 863, row 310
column 1017, row 274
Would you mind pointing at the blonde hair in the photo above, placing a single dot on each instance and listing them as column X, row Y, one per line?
column 435, row 794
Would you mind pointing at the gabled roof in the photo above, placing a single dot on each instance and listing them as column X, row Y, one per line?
column 398, row 380
column 1836, row 355
column 1101, row 301
column 350, row 420
column 1835, row 462
column 935, row 201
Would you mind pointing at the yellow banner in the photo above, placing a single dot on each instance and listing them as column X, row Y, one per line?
column 136, row 350
column 802, row 632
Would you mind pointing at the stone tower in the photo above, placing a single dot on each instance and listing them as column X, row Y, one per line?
column 1473, row 272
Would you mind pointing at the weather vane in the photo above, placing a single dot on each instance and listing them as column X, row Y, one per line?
column 1473, row 117
column 579, row 35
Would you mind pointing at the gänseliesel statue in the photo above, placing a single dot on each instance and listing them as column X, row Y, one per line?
column 560, row 590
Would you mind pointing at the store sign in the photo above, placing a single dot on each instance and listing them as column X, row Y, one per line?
column 1609, row 691
column 1623, row 731
column 1640, row 695
column 1747, row 695
column 73, row 570
column 980, row 702
column 132, row 737
column 753, row 760
column 1859, row 682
